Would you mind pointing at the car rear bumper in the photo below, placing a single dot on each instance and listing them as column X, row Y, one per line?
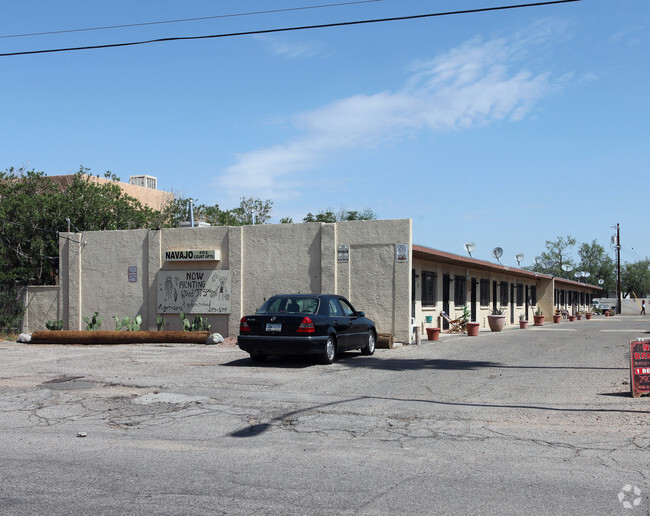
column 281, row 345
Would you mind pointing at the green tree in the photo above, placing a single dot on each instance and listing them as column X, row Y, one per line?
column 343, row 214
column 34, row 209
column 635, row 277
column 250, row 211
column 253, row 211
column 595, row 261
column 29, row 221
column 556, row 258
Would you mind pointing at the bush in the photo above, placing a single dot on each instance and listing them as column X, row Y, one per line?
column 11, row 308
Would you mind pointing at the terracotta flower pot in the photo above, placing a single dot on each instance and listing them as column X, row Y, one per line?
column 523, row 324
column 496, row 322
column 588, row 316
column 433, row 333
column 572, row 318
column 472, row 329
column 538, row 320
column 557, row 318
column 579, row 317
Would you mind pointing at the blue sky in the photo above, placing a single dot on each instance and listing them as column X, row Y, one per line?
column 504, row 128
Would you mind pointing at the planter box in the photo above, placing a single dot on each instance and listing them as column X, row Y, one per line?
column 119, row 337
column 384, row 341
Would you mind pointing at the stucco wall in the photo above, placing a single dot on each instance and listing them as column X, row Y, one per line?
column 42, row 305
column 116, row 273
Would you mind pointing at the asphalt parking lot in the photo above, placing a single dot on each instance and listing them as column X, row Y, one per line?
column 536, row 421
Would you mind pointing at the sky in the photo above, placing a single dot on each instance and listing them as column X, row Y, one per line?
column 504, row 128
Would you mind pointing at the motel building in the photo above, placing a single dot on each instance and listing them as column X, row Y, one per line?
column 223, row 273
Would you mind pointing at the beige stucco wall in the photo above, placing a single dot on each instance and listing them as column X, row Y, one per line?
column 303, row 258
column 263, row 260
column 42, row 305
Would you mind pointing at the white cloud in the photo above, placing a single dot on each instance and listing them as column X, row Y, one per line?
column 475, row 84
column 288, row 49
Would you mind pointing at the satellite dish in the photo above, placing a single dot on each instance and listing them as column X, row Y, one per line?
column 519, row 257
column 548, row 263
column 497, row 252
column 601, row 281
column 469, row 247
column 586, row 274
column 566, row 267
column 538, row 260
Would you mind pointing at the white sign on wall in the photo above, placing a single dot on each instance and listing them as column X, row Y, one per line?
column 401, row 253
column 194, row 292
column 189, row 255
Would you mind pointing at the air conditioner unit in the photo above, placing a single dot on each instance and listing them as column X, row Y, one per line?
column 144, row 181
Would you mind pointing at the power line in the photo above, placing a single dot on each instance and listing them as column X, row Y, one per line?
column 288, row 29
column 183, row 20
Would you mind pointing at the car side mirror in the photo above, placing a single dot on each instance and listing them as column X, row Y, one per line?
column 361, row 313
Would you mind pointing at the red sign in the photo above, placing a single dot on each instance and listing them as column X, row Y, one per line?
column 640, row 367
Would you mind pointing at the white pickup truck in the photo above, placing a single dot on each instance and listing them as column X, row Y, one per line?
column 602, row 306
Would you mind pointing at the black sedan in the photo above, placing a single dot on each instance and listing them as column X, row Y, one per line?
column 320, row 325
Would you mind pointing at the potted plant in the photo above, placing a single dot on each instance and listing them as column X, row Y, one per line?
column 572, row 318
column 557, row 317
column 433, row 333
column 523, row 323
column 579, row 315
column 588, row 314
column 538, row 317
column 497, row 319
column 472, row 329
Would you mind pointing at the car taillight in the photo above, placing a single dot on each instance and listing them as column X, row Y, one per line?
column 243, row 325
column 306, row 326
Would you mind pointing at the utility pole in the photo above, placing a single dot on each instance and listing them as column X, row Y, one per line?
column 618, row 268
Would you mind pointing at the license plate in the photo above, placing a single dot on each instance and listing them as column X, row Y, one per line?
column 274, row 326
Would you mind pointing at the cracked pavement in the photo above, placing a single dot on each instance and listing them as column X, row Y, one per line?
column 533, row 421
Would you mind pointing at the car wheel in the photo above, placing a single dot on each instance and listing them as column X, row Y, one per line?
column 258, row 357
column 369, row 349
column 329, row 353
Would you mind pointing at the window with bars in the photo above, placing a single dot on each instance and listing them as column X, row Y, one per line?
column 503, row 293
column 520, row 294
column 460, row 290
column 429, row 290
column 485, row 292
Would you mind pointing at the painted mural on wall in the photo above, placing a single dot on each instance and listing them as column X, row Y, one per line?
column 194, row 292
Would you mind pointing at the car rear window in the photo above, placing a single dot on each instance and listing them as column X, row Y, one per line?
column 290, row 305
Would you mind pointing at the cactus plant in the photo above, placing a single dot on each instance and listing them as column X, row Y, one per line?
column 93, row 323
column 54, row 325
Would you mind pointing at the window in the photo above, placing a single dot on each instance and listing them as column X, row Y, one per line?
column 520, row 294
column 485, row 292
column 460, row 290
column 429, row 290
column 335, row 308
column 347, row 309
column 503, row 293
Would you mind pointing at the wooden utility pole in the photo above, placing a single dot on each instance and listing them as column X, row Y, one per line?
column 618, row 268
